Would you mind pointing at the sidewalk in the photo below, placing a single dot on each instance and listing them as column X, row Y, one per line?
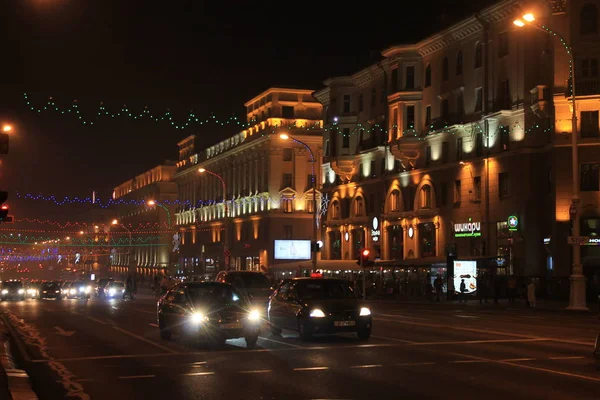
column 14, row 383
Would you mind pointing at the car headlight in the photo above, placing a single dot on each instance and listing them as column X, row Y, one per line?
column 254, row 315
column 45, row 291
column 58, row 291
column 364, row 311
column 198, row 318
column 21, row 291
column 81, row 289
column 316, row 313
column 111, row 291
column 88, row 289
column 4, row 291
column 73, row 291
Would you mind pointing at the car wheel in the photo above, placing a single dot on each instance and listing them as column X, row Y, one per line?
column 165, row 333
column 304, row 335
column 364, row 334
column 251, row 341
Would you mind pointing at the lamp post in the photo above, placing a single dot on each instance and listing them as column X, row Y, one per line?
column 152, row 203
column 116, row 222
column 577, row 299
column 285, row 136
column 226, row 254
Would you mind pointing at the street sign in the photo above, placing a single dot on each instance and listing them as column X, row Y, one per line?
column 578, row 240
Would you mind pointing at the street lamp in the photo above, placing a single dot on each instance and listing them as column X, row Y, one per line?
column 285, row 136
column 577, row 279
column 152, row 203
column 6, row 128
column 226, row 219
column 116, row 222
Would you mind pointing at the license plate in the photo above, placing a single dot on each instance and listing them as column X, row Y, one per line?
column 344, row 323
column 231, row 325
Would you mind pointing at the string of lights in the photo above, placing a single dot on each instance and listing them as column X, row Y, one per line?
column 42, row 240
column 77, row 224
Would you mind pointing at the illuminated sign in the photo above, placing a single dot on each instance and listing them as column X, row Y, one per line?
column 375, row 231
column 411, row 232
column 292, row 250
column 467, row 229
column 513, row 223
column 465, row 271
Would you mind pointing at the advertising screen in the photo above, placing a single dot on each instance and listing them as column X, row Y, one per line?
column 466, row 270
column 292, row 250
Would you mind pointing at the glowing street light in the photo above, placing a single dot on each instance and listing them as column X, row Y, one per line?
column 115, row 222
column 6, row 128
column 151, row 202
column 519, row 23
column 284, row 136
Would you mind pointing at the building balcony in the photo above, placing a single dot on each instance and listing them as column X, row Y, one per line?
column 587, row 86
column 407, row 150
column 344, row 166
column 406, row 94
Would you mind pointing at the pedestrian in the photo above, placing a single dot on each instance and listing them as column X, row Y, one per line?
column 463, row 289
column 512, row 289
column 451, row 289
column 438, row 287
column 531, row 294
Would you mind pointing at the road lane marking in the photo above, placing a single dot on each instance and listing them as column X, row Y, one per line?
column 393, row 339
column 137, row 377
column 311, row 369
column 415, row 364
column 143, row 339
column 516, row 359
column 567, row 358
column 280, row 342
column 258, row 371
column 481, row 342
column 93, row 358
column 144, row 311
column 199, row 373
column 366, row 366
column 97, row 320
column 154, row 325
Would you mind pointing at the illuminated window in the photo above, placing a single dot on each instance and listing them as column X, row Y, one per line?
column 394, row 201
column 359, row 207
column 425, row 196
column 287, row 204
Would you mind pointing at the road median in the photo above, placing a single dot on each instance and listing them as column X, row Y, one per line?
column 14, row 382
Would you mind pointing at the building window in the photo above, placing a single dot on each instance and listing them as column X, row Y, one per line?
column 346, row 103
column 428, row 76
column 394, row 80
column 287, row 112
column 425, row 197
column 503, row 44
column 477, row 188
column 504, row 101
column 503, row 185
column 590, row 177
column 359, row 207
column 588, row 19
column 459, row 149
column 288, row 231
column 444, row 194
column 478, row 55
column 373, row 97
column 396, row 240
column 410, row 77
column 327, row 148
column 504, row 138
column 335, row 210
column 309, row 206
column 286, row 181
column 346, row 138
column 360, row 103
column 478, row 99
column 445, row 108
column 459, row 63
column 445, row 152
column 457, row 192
column 410, row 117
column 427, row 155
column 395, row 201
column 288, row 204
column 428, row 116
column 445, row 68
column 589, row 68
column 590, row 127
column 309, row 180
column 460, row 107
column 287, row 154
column 427, row 239
column 478, row 145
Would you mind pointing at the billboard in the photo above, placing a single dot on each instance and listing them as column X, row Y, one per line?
column 466, row 270
column 292, row 250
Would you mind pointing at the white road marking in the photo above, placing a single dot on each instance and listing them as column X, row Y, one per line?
column 97, row 320
column 466, row 361
column 366, row 366
column 258, row 371
column 567, row 358
column 516, row 359
column 144, row 311
column 393, row 339
column 411, row 364
column 199, row 373
column 137, row 377
column 154, row 325
column 143, row 339
column 280, row 342
column 311, row 369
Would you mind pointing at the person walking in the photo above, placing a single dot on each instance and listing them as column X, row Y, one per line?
column 463, row 289
column 531, row 294
column 512, row 289
column 438, row 288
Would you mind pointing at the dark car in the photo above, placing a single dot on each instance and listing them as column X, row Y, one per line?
column 12, row 290
column 101, row 285
column 253, row 284
column 212, row 311
column 318, row 306
column 50, row 290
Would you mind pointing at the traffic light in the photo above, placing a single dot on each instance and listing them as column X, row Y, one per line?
column 363, row 258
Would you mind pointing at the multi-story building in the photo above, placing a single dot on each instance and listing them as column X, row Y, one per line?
column 265, row 181
column 142, row 230
column 476, row 157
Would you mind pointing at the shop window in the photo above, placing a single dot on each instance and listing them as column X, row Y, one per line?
column 396, row 242
column 427, row 246
column 335, row 243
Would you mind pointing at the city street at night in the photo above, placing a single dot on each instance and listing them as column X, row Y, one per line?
column 112, row 349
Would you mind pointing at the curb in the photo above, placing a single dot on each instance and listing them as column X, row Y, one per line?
column 13, row 381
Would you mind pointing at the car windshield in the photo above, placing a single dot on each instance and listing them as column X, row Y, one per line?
column 253, row 281
column 118, row 284
column 204, row 293
column 49, row 285
column 12, row 285
column 324, row 289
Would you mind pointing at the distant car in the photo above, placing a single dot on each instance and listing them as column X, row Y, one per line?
column 50, row 290
column 253, row 284
column 12, row 290
column 33, row 290
column 114, row 289
column 213, row 311
column 83, row 289
column 318, row 306
column 101, row 285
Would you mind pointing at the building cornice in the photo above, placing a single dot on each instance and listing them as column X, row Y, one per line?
column 277, row 90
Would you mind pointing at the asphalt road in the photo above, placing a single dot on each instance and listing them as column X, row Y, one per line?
column 103, row 349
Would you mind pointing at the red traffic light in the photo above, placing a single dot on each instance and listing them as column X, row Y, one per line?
column 366, row 252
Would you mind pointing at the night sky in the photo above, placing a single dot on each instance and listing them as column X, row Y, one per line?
column 207, row 56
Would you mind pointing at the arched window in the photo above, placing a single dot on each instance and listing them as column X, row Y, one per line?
column 428, row 76
column 445, row 69
column 425, row 197
column 335, row 210
column 588, row 19
column 459, row 63
column 359, row 207
column 478, row 55
column 394, row 200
